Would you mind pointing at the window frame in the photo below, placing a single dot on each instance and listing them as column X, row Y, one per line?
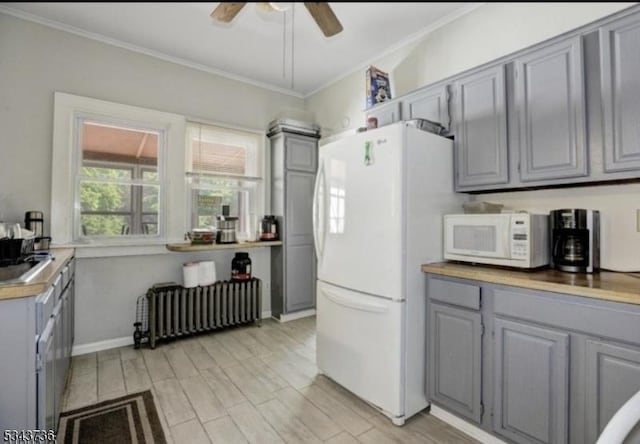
column 137, row 184
column 258, row 164
column 66, row 161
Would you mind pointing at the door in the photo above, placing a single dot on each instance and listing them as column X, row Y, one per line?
column 45, row 378
column 455, row 355
column 531, row 386
column 59, row 372
column 613, row 376
column 620, row 77
column 299, row 207
column 359, row 344
column 358, row 209
column 300, row 278
column 431, row 104
column 481, row 133
column 550, row 104
column 301, row 153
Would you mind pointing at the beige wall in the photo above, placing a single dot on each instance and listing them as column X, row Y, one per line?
column 35, row 61
column 487, row 33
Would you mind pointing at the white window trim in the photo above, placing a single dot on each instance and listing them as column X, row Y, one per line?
column 263, row 167
column 174, row 202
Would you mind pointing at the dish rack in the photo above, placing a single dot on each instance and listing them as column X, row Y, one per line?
column 169, row 310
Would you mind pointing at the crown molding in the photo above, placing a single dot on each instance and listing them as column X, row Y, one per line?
column 148, row 52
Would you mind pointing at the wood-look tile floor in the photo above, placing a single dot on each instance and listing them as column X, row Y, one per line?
column 247, row 384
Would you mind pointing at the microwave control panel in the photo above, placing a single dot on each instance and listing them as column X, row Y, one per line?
column 520, row 237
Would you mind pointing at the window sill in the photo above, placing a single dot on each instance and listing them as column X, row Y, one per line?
column 131, row 248
column 187, row 247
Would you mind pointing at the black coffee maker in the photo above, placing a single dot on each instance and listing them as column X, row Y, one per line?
column 575, row 240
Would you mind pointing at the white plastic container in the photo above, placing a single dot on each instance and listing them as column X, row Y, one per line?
column 206, row 273
column 190, row 272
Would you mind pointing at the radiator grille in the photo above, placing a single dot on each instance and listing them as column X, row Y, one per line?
column 177, row 311
column 474, row 237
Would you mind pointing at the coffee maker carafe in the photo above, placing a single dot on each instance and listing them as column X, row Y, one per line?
column 575, row 240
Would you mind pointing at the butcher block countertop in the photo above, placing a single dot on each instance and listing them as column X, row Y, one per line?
column 42, row 281
column 605, row 285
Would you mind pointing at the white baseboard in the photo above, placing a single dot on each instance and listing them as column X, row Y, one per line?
column 297, row 315
column 464, row 426
column 119, row 342
column 83, row 349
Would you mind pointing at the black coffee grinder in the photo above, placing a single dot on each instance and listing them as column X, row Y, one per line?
column 575, row 240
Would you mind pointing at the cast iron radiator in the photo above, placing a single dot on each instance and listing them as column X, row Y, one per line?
column 170, row 310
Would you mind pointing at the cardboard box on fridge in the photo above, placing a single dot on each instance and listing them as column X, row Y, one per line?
column 378, row 86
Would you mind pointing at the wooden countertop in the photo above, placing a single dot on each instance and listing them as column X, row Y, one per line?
column 42, row 281
column 187, row 247
column 605, row 285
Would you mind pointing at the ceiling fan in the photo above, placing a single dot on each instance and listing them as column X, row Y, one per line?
column 321, row 13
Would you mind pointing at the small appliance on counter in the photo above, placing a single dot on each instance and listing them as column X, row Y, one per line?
column 575, row 240
column 513, row 240
column 241, row 267
column 34, row 221
column 226, row 227
column 269, row 229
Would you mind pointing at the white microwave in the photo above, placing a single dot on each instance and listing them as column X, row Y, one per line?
column 514, row 240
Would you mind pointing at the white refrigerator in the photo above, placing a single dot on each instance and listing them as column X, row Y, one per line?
column 377, row 216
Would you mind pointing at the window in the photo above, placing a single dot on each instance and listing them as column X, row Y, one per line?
column 225, row 168
column 118, row 181
column 117, row 175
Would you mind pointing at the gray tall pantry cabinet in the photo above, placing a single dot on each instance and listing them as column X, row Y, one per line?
column 294, row 161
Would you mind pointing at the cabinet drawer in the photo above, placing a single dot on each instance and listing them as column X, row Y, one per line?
column 454, row 293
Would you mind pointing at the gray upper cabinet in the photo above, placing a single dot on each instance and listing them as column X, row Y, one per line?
column 386, row 113
column 531, row 393
column 613, row 376
column 454, row 349
column 431, row 104
column 549, row 96
column 301, row 153
column 481, row 129
column 620, row 77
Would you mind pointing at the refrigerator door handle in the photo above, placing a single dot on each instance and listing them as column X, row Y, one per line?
column 318, row 213
column 358, row 305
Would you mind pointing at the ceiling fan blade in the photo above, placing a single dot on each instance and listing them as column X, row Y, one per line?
column 225, row 12
column 325, row 18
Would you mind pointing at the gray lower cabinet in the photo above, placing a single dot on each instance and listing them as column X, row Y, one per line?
column 620, row 83
column 293, row 266
column 550, row 368
column 551, row 113
column 481, row 157
column 431, row 104
column 612, row 372
column 531, row 390
column 455, row 350
column 36, row 356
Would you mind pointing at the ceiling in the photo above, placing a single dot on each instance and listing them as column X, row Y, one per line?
column 256, row 45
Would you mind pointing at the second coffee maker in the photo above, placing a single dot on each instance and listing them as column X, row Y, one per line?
column 575, row 240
